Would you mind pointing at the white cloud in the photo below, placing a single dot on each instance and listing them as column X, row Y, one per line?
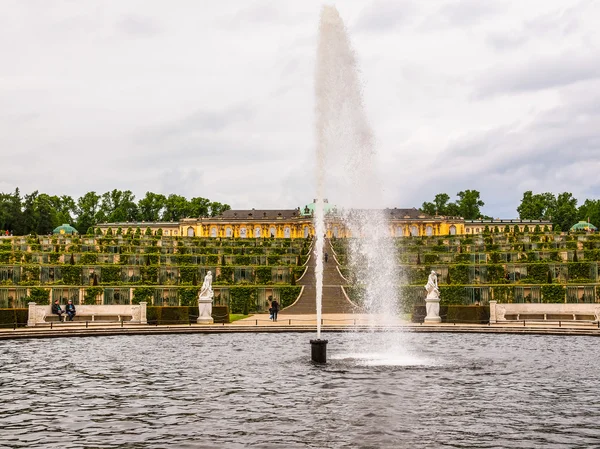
column 217, row 98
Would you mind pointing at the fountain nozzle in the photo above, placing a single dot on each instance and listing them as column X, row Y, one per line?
column 318, row 351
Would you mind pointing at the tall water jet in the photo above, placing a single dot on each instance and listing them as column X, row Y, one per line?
column 345, row 155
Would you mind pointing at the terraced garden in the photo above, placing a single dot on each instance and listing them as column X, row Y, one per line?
column 507, row 267
column 163, row 271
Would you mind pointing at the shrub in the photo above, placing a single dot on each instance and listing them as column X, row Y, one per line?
column 450, row 294
column 468, row 314
column 553, row 293
column 91, row 294
column 287, row 295
column 142, row 294
column 242, row 300
column 149, row 274
column 111, row 274
column 263, row 275
column 71, row 274
column 39, row 295
column 188, row 296
column 89, row 258
column 8, row 317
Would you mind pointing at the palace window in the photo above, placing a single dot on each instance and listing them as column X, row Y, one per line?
column 452, row 230
column 429, row 231
column 228, row 232
column 257, row 232
column 414, row 231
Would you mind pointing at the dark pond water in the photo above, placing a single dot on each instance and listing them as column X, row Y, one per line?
column 260, row 390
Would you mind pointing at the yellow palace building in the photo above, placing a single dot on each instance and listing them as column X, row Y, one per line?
column 298, row 223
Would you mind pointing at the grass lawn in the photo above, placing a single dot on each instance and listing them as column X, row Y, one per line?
column 237, row 316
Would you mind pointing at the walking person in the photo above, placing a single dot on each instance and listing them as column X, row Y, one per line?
column 70, row 310
column 326, row 256
column 274, row 309
column 57, row 310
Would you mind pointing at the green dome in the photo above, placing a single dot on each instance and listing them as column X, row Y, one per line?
column 65, row 229
column 583, row 226
column 310, row 208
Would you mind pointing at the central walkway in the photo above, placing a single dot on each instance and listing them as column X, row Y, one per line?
column 334, row 300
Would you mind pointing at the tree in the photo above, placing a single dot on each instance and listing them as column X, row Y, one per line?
column 469, row 204
column 565, row 214
column 176, row 208
column 439, row 205
column 199, row 207
column 88, row 211
column 217, row 208
column 119, row 206
column 540, row 206
column 589, row 211
column 151, row 206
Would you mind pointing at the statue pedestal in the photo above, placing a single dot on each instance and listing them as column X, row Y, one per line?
column 432, row 305
column 205, row 311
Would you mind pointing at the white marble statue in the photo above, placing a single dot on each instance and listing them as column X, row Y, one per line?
column 206, row 291
column 432, row 301
column 433, row 291
column 205, row 299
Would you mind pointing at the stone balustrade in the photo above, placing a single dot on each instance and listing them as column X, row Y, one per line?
column 131, row 313
column 506, row 312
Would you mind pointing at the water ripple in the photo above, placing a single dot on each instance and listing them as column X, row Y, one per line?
column 260, row 390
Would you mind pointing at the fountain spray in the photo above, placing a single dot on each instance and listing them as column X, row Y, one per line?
column 345, row 168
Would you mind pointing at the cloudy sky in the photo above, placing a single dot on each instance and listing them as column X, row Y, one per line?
column 216, row 99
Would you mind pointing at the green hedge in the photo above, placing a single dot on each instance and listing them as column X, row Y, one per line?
column 456, row 314
column 553, row 293
column 142, row 294
column 8, row 317
column 183, row 315
column 242, row 300
column 287, row 295
column 39, row 295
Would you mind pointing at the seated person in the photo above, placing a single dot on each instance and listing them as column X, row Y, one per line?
column 70, row 310
column 57, row 310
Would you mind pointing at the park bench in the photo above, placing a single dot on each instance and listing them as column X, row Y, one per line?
column 506, row 312
column 131, row 313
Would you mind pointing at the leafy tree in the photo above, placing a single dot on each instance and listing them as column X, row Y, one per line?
column 151, row 206
column 199, row 207
column 565, row 214
column 540, row 206
column 590, row 211
column 218, row 208
column 119, row 206
column 176, row 208
column 438, row 206
column 469, row 204
column 88, row 211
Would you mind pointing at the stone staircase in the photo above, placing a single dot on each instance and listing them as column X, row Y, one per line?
column 334, row 300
